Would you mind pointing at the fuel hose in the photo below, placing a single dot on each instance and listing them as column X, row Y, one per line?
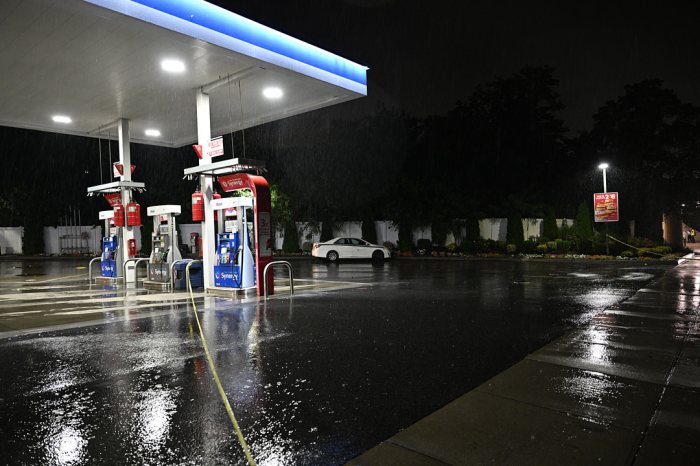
column 215, row 374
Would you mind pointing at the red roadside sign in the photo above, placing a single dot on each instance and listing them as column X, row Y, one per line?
column 606, row 207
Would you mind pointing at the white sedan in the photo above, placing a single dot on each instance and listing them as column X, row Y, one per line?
column 349, row 248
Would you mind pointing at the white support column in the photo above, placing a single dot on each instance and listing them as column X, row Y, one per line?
column 207, row 186
column 125, row 159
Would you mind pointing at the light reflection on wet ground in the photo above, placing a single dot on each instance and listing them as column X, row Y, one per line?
column 316, row 380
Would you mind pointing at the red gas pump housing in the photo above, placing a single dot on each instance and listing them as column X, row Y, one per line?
column 132, row 248
column 197, row 206
column 118, row 215
column 133, row 214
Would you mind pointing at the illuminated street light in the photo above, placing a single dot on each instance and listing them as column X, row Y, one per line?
column 604, row 167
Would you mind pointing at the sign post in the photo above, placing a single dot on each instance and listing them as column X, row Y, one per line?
column 606, row 209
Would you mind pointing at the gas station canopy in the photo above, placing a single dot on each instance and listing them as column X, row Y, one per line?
column 76, row 66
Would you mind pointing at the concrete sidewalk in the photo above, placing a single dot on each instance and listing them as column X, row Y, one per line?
column 622, row 390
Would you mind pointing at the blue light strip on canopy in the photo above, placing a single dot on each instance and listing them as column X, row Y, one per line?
column 210, row 23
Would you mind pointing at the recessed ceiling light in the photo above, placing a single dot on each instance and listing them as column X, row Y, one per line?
column 61, row 119
column 272, row 92
column 152, row 132
column 172, row 66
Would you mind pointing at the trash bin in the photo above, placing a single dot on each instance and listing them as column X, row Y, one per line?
column 196, row 275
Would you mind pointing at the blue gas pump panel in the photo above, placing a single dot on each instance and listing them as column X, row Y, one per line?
column 227, row 273
column 108, row 263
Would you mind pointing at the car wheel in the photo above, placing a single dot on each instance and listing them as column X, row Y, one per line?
column 377, row 255
column 332, row 256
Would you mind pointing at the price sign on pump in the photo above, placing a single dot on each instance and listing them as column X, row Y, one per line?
column 216, row 147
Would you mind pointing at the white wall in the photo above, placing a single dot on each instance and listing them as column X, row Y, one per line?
column 489, row 228
column 386, row 231
column 493, row 228
column 532, row 228
column 11, row 240
column 350, row 229
column 186, row 229
column 279, row 237
column 569, row 222
column 85, row 239
column 79, row 239
column 305, row 229
column 422, row 232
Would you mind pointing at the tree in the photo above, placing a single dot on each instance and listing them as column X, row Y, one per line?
column 405, row 236
column 651, row 140
column 438, row 232
column 550, row 231
column 514, row 230
column 516, row 136
column 369, row 231
column 291, row 238
column 471, row 229
column 326, row 230
column 583, row 226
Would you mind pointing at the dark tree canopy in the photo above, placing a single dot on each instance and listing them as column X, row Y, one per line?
column 501, row 152
column 651, row 140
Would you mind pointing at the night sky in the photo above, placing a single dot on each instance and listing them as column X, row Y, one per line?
column 426, row 55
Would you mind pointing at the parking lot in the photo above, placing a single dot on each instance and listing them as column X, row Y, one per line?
column 362, row 351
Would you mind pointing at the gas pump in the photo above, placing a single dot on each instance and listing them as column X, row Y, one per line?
column 234, row 266
column 164, row 250
column 258, row 228
column 110, row 246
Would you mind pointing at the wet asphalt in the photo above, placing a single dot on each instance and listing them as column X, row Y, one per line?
column 317, row 379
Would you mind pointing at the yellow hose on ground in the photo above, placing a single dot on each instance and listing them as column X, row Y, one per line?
column 219, row 387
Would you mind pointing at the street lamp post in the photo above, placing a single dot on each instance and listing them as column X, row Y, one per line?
column 604, row 167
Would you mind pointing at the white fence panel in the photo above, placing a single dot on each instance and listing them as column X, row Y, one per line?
column 351, row 229
column 532, row 228
column 11, row 240
column 77, row 239
column 186, row 229
column 493, row 228
column 308, row 232
column 568, row 221
column 422, row 232
column 386, row 231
